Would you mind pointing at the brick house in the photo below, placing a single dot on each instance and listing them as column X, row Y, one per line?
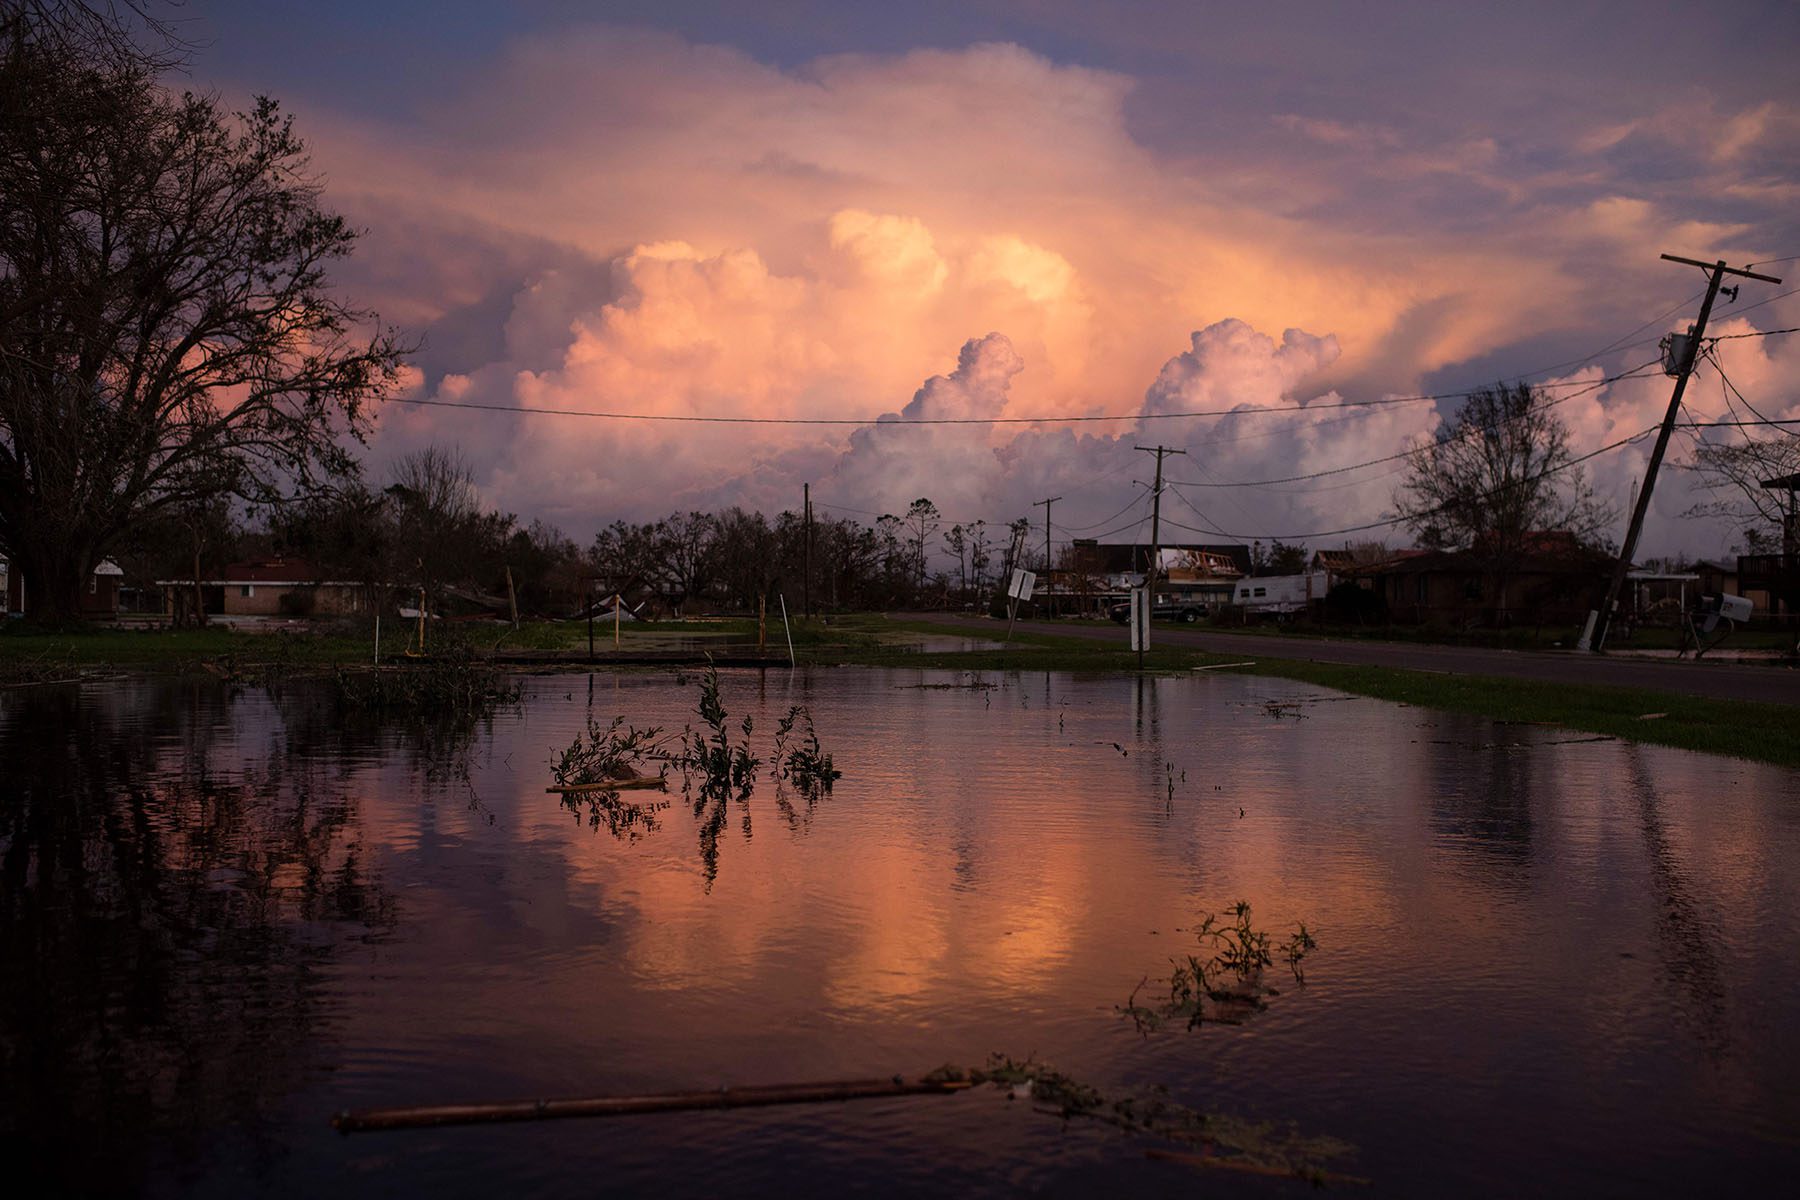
column 269, row 587
column 99, row 599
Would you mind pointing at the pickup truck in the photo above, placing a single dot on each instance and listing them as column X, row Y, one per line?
column 1160, row 612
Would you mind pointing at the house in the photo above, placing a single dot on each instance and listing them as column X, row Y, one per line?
column 269, row 587
column 1337, row 566
column 99, row 599
column 1717, row 577
column 1552, row 580
column 1201, row 576
column 1771, row 582
column 1097, row 575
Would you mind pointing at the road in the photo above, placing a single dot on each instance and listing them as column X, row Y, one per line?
column 1718, row 680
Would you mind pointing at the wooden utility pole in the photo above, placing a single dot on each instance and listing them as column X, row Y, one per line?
column 1155, row 540
column 1046, row 504
column 1014, row 556
column 1686, row 368
column 806, row 524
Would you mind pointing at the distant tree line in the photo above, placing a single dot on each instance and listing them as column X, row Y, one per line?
column 426, row 534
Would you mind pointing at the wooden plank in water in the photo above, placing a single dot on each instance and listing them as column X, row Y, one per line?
column 432, row 1116
column 655, row 782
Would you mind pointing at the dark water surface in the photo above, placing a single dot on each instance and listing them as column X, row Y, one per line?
column 1547, row 963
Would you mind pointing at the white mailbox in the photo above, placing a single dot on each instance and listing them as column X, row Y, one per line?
column 1734, row 608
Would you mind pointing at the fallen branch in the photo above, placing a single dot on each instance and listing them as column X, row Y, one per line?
column 431, row 1116
column 656, row 782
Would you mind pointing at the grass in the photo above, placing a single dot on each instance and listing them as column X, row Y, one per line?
column 1740, row 728
column 1519, row 637
column 1760, row 732
column 1224, row 981
column 25, row 649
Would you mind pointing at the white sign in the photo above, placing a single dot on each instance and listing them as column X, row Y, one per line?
column 1022, row 584
column 1140, row 619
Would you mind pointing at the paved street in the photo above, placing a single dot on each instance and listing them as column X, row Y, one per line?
column 1722, row 680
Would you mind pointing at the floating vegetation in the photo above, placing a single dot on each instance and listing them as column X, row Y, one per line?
column 726, row 770
column 799, row 760
column 1224, row 982
column 51, row 666
column 974, row 684
column 1228, row 1142
column 717, row 763
column 599, row 764
column 458, row 684
column 607, row 755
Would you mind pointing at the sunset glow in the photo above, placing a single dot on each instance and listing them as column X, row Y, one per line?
column 690, row 213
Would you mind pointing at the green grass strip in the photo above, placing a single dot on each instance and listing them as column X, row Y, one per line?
column 1740, row 728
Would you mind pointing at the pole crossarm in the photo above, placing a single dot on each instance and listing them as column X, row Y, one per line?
column 1720, row 266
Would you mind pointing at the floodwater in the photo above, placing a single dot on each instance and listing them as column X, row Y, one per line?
column 1546, row 962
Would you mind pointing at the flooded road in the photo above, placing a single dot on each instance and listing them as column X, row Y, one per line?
column 1545, row 960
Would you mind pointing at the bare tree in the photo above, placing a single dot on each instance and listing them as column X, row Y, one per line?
column 922, row 520
column 1500, row 478
column 1502, row 472
column 437, row 513
column 167, row 331
column 1734, row 474
column 957, row 542
column 980, row 555
column 629, row 556
column 747, row 554
column 688, row 554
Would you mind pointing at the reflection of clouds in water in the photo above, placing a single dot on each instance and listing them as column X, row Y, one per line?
column 1686, row 936
column 999, row 870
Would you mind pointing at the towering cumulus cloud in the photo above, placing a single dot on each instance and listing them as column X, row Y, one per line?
column 625, row 221
column 952, row 464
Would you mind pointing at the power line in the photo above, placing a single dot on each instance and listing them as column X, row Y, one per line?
column 1738, row 312
column 1228, row 497
column 865, row 422
column 1134, row 526
column 1632, row 373
column 878, row 422
column 1131, row 504
column 1726, row 380
column 1310, row 491
column 1198, row 513
column 1732, row 337
column 1614, row 345
column 1778, row 421
column 1390, row 521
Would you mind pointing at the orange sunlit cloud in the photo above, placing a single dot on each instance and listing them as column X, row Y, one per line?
column 645, row 224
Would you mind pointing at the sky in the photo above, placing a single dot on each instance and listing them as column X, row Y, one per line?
column 1277, row 213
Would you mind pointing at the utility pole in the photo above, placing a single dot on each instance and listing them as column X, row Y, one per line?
column 1155, row 540
column 1046, row 504
column 806, row 518
column 1718, row 272
column 1015, row 555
